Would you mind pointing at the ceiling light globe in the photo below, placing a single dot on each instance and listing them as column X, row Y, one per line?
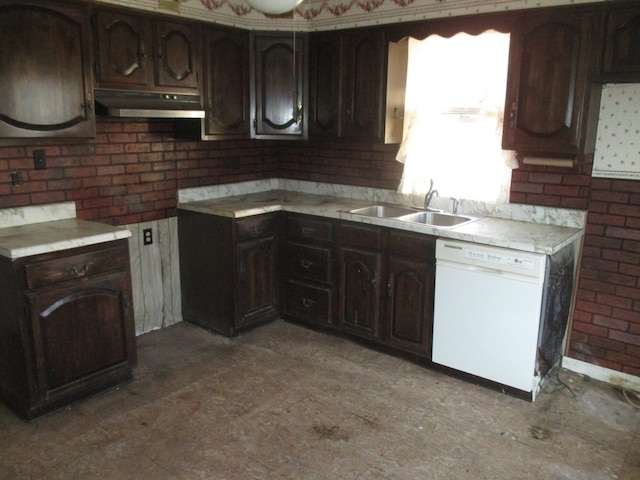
column 274, row 7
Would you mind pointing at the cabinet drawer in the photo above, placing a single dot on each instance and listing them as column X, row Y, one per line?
column 413, row 245
column 357, row 235
column 309, row 302
column 71, row 267
column 310, row 229
column 255, row 227
column 309, row 262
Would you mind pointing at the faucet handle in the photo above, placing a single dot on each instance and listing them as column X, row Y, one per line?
column 454, row 206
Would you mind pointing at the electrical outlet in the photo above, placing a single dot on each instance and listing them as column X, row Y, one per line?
column 39, row 160
column 147, row 236
column 16, row 179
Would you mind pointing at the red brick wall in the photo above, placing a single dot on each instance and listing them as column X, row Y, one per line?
column 606, row 322
column 342, row 162
column 130, row 172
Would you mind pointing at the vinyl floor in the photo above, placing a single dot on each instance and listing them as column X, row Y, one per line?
column 285, row 402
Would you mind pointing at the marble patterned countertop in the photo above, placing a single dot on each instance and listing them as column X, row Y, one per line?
column 488, row 230
column 40, row 229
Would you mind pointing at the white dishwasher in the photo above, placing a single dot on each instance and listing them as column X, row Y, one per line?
column 487, row 310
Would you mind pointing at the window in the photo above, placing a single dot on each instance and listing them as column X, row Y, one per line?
column 454, row 106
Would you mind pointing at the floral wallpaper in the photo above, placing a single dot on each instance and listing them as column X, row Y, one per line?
column 312, row 15
column 617, row 153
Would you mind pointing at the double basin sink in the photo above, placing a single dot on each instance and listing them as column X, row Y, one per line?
column 412, row 215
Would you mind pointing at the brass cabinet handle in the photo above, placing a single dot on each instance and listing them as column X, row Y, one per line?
column 308, row 302
column 81, row 270
column 306, row 264
column 513, row 111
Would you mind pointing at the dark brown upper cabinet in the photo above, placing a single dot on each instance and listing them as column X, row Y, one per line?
column 46, row 85
column 176, row 54
column 364, row 66
column 226, row 80
column 622, row 44
column 136, row 52
column 325, row 84
column 357, row 83
column 279, row 93
column 551, row 105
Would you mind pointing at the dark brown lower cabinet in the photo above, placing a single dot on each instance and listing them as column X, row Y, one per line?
column 67, row 327
column 366, row 281
column 228, row 270
column 410, row 288
column 360, row 251
column 309, row 286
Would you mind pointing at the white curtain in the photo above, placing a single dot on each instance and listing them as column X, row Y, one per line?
column 454, row 102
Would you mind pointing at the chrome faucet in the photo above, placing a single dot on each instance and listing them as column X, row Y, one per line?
column 429, row 196
column 454, row 206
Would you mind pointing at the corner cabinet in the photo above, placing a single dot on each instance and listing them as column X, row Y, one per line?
column 46, row 87
column 279, row 91
column 551, row 105
column 228, row 270
column 67, row 327
column 136, row 52
column 226, row 84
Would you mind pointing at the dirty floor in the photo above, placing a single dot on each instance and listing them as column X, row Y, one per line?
column 284, row 402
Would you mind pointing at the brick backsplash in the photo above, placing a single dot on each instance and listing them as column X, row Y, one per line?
column 131, row 171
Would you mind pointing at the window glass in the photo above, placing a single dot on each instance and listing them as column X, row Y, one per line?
column 454, row 106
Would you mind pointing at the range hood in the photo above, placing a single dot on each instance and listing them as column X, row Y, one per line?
column 131, row 104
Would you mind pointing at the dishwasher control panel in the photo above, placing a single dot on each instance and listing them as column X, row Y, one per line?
column 494, row 258
column 497, row 258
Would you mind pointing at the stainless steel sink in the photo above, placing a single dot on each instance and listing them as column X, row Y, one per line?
column 437, row 219
column 383, row 211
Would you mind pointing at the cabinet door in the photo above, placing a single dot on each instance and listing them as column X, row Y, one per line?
column 279, row 67
column 622, row 47
column 364, row 65
column 360, row 273
column 256, row 292
column 548, row 99
column 80, row 332
column 325, row 58
column 45, row 86
column 122, row 44
column 410, row 304
column 226, row 84
column 176, row 55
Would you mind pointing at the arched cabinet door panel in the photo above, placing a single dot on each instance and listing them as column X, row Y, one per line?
column 78, row 332
column 123, row 50
column 226, row 77
column 176, row 54
column 46, row 86
column 551, row 105
column 280, row 87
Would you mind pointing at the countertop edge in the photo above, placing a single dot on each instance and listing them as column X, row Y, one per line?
column 474, row 232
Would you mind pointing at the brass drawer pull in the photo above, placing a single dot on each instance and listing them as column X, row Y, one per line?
column 257, row 231
column 81, row 270
column 306, row 231
column 308, row 302
column 306, row 264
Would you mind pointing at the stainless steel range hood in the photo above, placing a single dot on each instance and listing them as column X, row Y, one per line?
column 124, row 103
